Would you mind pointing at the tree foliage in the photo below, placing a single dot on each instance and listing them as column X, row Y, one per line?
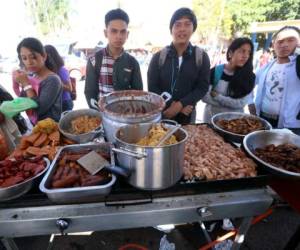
column 49, row 16
column 227, row 17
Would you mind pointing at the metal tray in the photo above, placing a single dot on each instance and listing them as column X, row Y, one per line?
column 78, row 194
column 229, row 136
column 263, row 138
column 18, row 190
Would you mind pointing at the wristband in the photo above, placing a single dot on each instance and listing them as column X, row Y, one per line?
column 27, row 87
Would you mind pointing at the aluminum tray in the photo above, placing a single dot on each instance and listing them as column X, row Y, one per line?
column 260, row 139
column 233, row 137
column 18, row 190
column 78, row 194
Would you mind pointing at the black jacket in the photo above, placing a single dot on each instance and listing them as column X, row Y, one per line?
column 187, row 84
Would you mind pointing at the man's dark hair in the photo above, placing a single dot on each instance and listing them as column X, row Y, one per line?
column 183, row 12
column 116, row 14
column 285, row 28
column 243, row 79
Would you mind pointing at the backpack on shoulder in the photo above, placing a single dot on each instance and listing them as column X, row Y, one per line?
column 198, row 56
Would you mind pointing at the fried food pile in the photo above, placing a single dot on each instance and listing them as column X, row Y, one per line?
column 13, row 172
column 44, row 141
column 155, row 134
column 69, row 173
column 84, row 124
column 241, row 126
column 46, row 126
column 285, row 156
column 208, row 157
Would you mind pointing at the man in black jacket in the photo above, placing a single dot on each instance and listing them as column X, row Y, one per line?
column 181, row 72
column 112, row 68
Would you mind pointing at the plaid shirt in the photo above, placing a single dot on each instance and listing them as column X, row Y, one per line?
column 106, row 74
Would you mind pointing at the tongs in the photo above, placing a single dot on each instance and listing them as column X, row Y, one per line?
column 168, row 135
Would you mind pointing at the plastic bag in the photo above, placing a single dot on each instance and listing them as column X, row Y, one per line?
column 165, row 244
column 16, row 106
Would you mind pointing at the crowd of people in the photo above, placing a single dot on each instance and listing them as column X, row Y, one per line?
column 181, row 69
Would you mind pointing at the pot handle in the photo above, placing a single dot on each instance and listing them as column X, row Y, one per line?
column 130, row 153
column 94, row 103
column 172, row 122
column 119, row 171
column 64, row 113
column 166, row 96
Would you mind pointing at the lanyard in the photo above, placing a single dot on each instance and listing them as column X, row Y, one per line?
column 173, row 80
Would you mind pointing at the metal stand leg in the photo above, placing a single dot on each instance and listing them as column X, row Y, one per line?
column 207, row 237
column 9, row 244
column 51, row 240
column 240, row 236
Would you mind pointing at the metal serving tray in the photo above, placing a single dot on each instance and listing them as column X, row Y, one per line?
column 78, row 194
column 260, row 139
column 233, row 137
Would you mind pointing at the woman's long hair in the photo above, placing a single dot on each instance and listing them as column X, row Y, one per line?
column 35, row 46
column 243, row 79
column 54, row 58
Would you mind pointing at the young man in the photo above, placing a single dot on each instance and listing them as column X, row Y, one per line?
column 112, row 68
column 181, row 73
column 278, row 91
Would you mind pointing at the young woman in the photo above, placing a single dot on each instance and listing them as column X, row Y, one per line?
column 231, row 84
column 58, row 67
column 49, row 98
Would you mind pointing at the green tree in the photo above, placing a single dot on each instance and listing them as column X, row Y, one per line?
column 49, row 16
column 244, row 12
column 284, row 10
column 213, row 19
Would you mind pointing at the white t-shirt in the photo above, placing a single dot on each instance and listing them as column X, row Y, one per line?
column 274, row 87
column 180, row 59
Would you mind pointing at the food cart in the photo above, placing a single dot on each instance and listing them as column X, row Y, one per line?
column 125, row 206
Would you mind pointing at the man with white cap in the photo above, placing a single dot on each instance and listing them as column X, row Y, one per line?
column 278, row 91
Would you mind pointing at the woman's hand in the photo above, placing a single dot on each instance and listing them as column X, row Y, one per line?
column 21, row 78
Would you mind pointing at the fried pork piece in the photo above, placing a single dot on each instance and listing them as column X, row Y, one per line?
column 207, row 156
column 84, row 124
column 241, row 126
column 285, row 156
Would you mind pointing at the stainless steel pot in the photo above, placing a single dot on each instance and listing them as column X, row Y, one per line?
column 64, row 125
column 130, row 107
column 152, row 168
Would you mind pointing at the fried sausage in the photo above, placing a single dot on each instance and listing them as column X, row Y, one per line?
column 68, row 181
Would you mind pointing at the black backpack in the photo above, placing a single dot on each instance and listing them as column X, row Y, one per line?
column 19, row 120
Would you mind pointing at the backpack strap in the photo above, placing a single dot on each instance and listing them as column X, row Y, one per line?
column 217, row 76
column 98, row 62
column 162, row 57
column 198, row 57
